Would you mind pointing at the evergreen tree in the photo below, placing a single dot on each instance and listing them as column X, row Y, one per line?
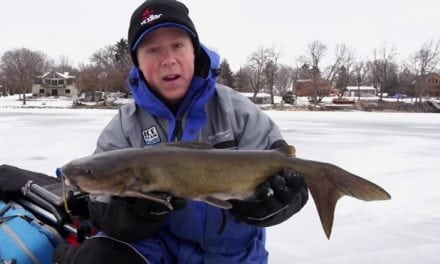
column 226, row 76
column 121, row 51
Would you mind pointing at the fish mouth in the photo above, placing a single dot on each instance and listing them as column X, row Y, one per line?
column 71, row 176
column 68, row 181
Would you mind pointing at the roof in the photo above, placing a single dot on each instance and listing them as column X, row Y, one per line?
column 64, row 75
column 363, row 88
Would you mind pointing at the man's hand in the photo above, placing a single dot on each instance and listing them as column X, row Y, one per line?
column 275, row 201
column 131, row 219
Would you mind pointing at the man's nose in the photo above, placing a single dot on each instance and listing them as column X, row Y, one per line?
column 168, row 57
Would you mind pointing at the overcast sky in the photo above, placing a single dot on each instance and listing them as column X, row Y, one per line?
column 234, row 28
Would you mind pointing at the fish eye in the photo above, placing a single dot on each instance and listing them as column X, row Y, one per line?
column 89, row 170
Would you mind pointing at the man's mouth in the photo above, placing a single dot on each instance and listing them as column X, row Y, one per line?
column 171, row 77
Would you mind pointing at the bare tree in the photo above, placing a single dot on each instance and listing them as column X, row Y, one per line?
column 113, row 64
column 256, row 64
column 406, row 82
column 102, row 60
column 315, row 53
column 21, row 66
column 284, row 79
column 271, row 70
column 360, row 70
column 87, row 79
column 382, row 67
column 64, row 64
column 341, row 65
column 424, row 61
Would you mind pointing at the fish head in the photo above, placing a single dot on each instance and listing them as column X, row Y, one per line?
column 97, row 174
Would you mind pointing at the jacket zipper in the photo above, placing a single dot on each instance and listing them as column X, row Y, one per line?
column 178, row 129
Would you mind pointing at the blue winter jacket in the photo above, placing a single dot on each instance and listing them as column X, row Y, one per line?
column 199, row 233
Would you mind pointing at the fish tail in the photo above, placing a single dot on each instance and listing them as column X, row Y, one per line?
column 329, row 183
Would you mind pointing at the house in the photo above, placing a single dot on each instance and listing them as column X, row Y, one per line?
column 55, row 84
column 307, row 87
column 364, row 91
column 432, row 84
column 261, row 98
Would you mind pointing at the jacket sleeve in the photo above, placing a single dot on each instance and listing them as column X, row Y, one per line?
column 254, row 129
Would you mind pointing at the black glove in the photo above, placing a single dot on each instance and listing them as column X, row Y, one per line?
column 131, row 219
column 97, row 250
column 275, row 200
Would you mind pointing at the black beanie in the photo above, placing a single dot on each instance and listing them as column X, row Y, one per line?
column 154, row 14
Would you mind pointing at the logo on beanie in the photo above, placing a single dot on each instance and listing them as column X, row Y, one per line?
column 149, row 16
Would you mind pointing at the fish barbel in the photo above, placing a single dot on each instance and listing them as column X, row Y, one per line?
column 199, row 172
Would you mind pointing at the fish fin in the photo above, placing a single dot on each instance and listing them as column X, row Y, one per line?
column 189, row 145
column 150, row 197
column 289, row 150
column 331, row 183
column 216, row 202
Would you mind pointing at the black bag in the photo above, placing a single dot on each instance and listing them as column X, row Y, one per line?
column 12, row 179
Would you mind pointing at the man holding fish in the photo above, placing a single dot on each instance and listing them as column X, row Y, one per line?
column 176, row 98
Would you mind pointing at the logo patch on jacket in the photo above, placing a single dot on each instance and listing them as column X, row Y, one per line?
column 151, row 136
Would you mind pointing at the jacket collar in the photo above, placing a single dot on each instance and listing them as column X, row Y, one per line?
column 199, row 93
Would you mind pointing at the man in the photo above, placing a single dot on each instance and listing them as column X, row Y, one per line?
column 176, row 98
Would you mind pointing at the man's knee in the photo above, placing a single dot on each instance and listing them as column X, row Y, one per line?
column 98, row 250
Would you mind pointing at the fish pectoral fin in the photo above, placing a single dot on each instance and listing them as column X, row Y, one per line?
column 216, row 202
column 150, row 197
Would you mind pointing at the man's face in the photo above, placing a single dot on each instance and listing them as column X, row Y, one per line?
column 166, row 58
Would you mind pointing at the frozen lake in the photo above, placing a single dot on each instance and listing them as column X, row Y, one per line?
column 399, row 151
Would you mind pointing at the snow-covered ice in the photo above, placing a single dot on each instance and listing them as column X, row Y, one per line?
column 399, row 151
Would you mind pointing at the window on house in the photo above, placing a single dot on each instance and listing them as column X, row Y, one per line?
column 67, row 91
column 41, row 91
column 46, row 81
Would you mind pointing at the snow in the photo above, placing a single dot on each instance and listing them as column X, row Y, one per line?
column 398, row 151
column 46, row 102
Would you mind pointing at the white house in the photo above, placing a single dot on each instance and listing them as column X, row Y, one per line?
column 55, row 84
column 365, row 91
column 261, row 98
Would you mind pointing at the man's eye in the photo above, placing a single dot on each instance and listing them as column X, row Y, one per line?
column 153, row 50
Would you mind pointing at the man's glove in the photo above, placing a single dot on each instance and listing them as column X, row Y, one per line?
column 275, row 200
column 131, row 219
